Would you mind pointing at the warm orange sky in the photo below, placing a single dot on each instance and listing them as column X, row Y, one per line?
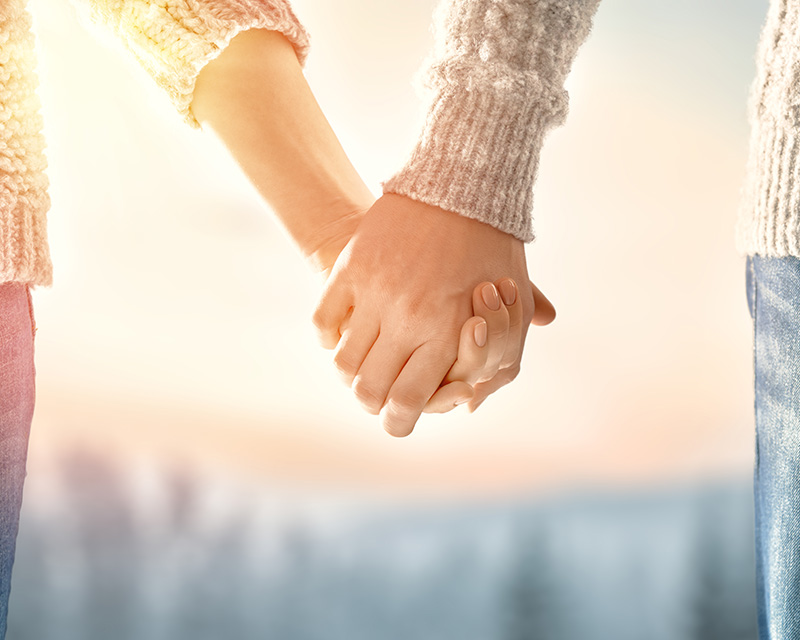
column 178, row 301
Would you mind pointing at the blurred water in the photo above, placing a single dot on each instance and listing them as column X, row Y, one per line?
column 109, row 551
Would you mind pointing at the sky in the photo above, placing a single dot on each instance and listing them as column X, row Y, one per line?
column 179, row 321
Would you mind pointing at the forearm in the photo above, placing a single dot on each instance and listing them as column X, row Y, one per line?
column 255, row 98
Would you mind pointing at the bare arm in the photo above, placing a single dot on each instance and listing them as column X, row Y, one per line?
column 255, row 98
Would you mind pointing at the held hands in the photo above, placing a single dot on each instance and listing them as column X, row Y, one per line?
column 398, row 298
column 478, row 372
column 406, row 269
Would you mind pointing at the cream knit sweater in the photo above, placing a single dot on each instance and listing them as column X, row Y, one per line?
column 769, row 216
column 496, row 83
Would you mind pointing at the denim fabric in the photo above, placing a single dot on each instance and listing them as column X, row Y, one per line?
column 773, row 298
column 17, row 374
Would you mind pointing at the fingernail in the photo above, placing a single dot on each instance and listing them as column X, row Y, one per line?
column 490, row 297
column 508, row 290
column 460, row 401
column 481, row 334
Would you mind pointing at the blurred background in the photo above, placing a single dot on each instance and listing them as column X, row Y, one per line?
column 197, row 469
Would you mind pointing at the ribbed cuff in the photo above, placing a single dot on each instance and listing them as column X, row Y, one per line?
column 769, row 216
column 24, row 252
column 175, row 39
column 478, row 156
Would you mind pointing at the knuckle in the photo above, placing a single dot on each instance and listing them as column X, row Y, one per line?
column 442, row 345
column 406, row 403
column 510, row 359
column 344, row 363
column 318, row 319
column 511, row 373
column 499, row 334
column 367, row 395
column 327, row 339
column 506, row 363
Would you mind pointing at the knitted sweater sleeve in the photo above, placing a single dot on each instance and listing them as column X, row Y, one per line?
column 174, row 39
column 769, row 210
column 24, row 252
column 496, row 83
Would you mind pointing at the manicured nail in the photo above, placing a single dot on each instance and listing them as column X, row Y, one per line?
column 481, row 332
column 490, row 297
column 508, row 290
column 460, row 401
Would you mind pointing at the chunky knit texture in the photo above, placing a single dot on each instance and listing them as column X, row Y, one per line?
column 175, row 39
column 496, row 81
column 24, row 253
column 769, row 216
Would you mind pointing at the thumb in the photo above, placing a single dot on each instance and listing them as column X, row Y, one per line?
column 543, row 310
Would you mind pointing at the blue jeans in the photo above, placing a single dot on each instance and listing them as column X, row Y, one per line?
column 773, row 297
column 17, row 374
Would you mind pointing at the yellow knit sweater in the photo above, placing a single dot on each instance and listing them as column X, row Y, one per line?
column 24, row 254
column 173, row 40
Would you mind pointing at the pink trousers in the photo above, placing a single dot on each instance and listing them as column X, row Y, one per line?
column 17, row 395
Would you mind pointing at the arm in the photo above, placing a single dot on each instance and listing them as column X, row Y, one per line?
column 256, row 99
column 237, row 66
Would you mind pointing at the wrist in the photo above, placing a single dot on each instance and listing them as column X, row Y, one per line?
column 322, row 246
column 255, row 98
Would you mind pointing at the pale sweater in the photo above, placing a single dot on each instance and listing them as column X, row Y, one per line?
column 769, row 215
column 496, row 82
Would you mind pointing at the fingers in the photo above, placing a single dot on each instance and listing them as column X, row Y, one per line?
column 513, row 303
column 471, row 366
column 486, row 303
column 378, row 372
column 331, row 310
column 472, row 352
column 359, row 334
column 484, row 389
column 448, row 397
column 488, row 356
column 544, row 312
column 415, row 385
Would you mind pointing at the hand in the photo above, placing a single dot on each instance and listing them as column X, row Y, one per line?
column 488, row 330
column 403, row 283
